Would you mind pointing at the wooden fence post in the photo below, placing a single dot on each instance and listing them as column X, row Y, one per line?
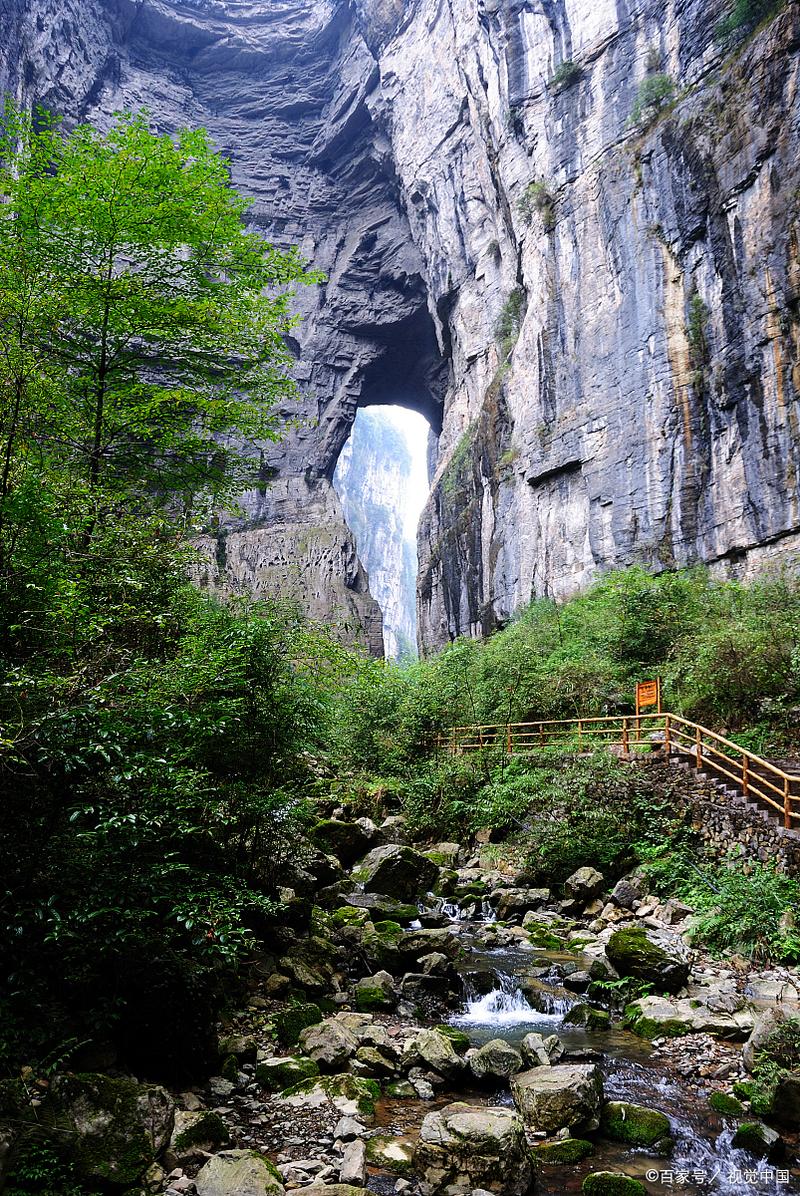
column 625, row 745
column 510, row 747
column 698, row 748
column 745, row 775
column 787, row 821
column 667, row 744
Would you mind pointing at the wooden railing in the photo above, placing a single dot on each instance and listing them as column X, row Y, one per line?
column 634, row 733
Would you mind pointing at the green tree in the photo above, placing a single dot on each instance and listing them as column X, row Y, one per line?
column 142, row 326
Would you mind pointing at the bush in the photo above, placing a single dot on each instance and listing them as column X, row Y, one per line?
column 509, row 321
column 565, row 74
column 654, row 92
column 746, row 14
column 740, row 911
column 538, row 197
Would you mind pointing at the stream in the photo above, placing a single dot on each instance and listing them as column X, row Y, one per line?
column 495, row 1006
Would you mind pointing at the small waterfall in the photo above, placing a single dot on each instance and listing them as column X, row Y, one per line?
column 457, row 913
column 503, row 1006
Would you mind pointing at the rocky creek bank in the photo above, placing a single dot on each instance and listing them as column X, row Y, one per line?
column 432, row 1024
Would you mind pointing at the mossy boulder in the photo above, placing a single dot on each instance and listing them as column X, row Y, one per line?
column 586, row 1015
column 398, row 871
column 373, row 993
column 623, row 1122
column 460, row 1040
column 729, row 1106
column 401, row 1090
column 565, row 1096
column 391, row 1154
column 759, row 1139
column 463, row 1147
column 348, row 841
column 290, row 1022
column 114, row 1128
column 238, row 1173
column 352, row 1095
column 278, row 1074
column 198, row 1132
column 495, row 1060
column 634, row 952
column 612, row 1183
column 566, row 1150
column 349, row 915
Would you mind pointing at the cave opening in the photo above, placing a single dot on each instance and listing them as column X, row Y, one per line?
column 382, row 478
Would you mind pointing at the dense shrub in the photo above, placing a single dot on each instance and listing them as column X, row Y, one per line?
column 654, row 92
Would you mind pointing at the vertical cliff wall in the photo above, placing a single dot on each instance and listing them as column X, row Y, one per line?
column 600, row 315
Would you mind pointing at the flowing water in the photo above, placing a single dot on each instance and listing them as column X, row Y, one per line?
column 704, row 1160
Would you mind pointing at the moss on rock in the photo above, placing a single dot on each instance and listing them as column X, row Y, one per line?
column 723, row 1102
column 278, row 1074
column 567, row 1150
column 290, row 1022
column 340, row 1087
column 623, row 1122
column 460, row 1040
column 612, row 1183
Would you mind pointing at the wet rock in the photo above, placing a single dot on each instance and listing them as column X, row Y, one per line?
column 277, row 1074
column 333, row 1190
column 786, row 1102
column 116, row 1127
column 623, row 1122
column 586, row 1015
column 634, row 952
column 373, row 1063
column 538, row 1051
column 612, row 1183
column 463, row 1147
column 354, row 1164
column 559, row 1097
column 495, row 1060
column 396, row 871
column 348, row 841
column 380, row 907
column 760, row 1139
column 238, row 1173
column 330, row 1044
column 584, row 885
column 375, row 992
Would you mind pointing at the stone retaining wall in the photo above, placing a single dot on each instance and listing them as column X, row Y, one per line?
column 725, row 821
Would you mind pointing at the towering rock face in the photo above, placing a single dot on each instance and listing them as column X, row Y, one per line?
column 603, row 317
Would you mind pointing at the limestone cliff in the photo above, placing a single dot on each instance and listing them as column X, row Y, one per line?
column 602, row 316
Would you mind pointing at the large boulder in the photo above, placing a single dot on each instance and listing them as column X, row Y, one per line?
column 765, row 1026
column 115, row 1128
column 238, row 1173
column 538, row 1051
column 584, row 885
column 348, row 841
column 375, row 992
column 463, row 1147
column 513, row 904
column 495, row 1060
column 663, row 1017
column 276, row 1074
column 635, row 952
column 396, row 871
column 331, row 1044
column 435, row 1050
column 566, row 1096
